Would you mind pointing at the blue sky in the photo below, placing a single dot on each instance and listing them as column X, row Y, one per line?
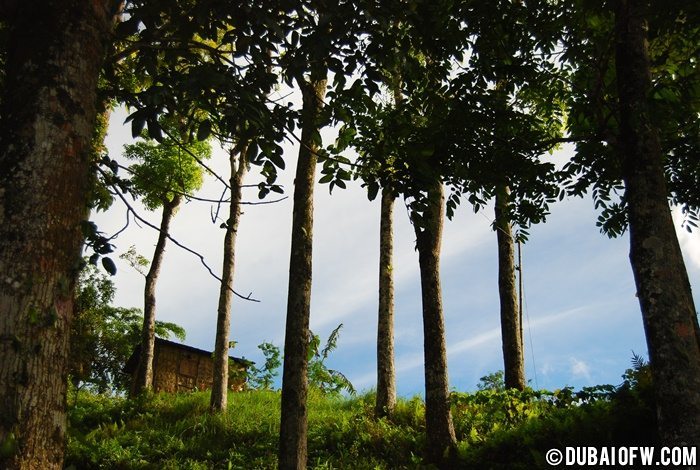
column 582, row 318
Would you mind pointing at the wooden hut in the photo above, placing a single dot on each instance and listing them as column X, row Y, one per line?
column 181, row 368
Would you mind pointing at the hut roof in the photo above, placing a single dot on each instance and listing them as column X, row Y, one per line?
column 133, row 360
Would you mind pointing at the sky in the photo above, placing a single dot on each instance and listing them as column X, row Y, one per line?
column 581, row 318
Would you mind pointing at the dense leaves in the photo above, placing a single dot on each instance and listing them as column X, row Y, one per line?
column 165, row 169
column 593, row 121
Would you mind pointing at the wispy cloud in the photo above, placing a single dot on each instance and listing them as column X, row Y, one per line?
column 579, row 369
column 413, row 361
column 690, row 242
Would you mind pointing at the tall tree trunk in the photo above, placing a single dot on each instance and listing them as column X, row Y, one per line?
column 293, row 426
column 663, row 289
column 439, row 429
column 511, row 331
column 54, row 55
column 144, row 375
column 386, row 376
column 219, row 390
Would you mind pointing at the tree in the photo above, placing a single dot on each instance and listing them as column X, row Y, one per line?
column 216, row 74
column 506, row 112
column 634, row 147
column 293, row 426
column 54, row 54
column 386, row 375
column 511, row 323
column 239, row 167
column 246, row 135
column 164, row 175
column 104, row 336
column 427, row 224
column 663, row 289
column 403, row 161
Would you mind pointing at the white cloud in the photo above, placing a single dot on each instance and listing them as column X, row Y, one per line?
column 690, row 242
column 579, row 369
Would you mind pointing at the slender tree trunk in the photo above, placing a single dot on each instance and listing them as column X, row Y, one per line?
column 386, row 376
column 293, row 426
column 511, row 331
column 54, row 55
column 219, row 390
column 663, row 288
column 439, row 429
column 144, row 376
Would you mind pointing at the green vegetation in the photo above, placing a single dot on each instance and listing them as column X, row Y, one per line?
column 495, row 428
column 104, row 336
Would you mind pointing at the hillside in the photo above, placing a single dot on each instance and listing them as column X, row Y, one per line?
column 495, row 428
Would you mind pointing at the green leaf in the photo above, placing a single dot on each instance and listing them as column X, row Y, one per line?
column 154, row 131
column 204, row 130
column 326, row 179
column 109, row 266
column 137, row 125
column 372, row 190
column 277, row 160
column 252, row 151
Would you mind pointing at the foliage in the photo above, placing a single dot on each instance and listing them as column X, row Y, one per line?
column 137, row 261
column 495, row 429
column 494, row 381
column 593, row 114
column 103, row 336
column 328, row 381
column 165, row 168
column 512, row 429
column 324, row 380
column 263, row 377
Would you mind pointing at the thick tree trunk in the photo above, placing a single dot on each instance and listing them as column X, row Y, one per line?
column 144, row 375
column 386, row 376
column 293, row 426
column 511, row 331
column 439, row 429
column 663, row 288
column 54, row 55
column 219, row 390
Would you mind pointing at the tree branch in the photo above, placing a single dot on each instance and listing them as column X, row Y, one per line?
column 180, row 245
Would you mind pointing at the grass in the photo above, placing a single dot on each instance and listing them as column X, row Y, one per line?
column 495, row 429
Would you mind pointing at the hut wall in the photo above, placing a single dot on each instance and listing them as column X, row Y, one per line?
column 179, row 370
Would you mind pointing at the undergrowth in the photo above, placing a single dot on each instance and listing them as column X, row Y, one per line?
column 495, row 429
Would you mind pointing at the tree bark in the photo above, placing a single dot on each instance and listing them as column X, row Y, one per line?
column 511, row 331
column 386, row 376
column 144, row 375
column 439, row 429
column 54, row 54
column 663, row 289
column 219, row 390
column 293, row 425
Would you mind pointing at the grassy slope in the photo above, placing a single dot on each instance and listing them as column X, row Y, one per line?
column 495, row 429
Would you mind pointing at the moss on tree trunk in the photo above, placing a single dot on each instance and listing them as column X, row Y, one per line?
column 663, row 289
column 439, row 429
column 293, row 426
column 144, row 375
column 511, row 330
column 386, row 375
column 54, row 54
column 219, row 390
